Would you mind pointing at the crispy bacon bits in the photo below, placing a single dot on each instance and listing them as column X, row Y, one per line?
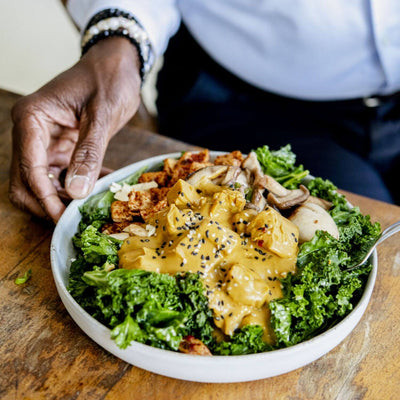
column 191, row 345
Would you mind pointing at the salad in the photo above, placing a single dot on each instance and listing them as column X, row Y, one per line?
column 124, row 277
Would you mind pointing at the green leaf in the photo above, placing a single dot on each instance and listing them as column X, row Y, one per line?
column 96, row 247
column 152, row 308
column 23, row 279
column 247, row 340
column 280, row 164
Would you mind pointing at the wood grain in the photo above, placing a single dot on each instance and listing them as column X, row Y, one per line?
column 44, row 355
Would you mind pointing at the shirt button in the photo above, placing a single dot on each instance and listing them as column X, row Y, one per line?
column 371, row 102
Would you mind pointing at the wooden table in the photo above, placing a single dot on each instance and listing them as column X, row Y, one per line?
column 43, row 353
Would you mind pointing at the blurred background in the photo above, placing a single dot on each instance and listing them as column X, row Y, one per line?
column 38, row 40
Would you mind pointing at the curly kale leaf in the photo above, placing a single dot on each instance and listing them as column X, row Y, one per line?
column 325, row 189
column 247, row 340
column 320, row 294
column 151, row 308
column 96, row 247
column 281, row 165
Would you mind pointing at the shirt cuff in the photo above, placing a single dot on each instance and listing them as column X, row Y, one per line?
column 160, row 18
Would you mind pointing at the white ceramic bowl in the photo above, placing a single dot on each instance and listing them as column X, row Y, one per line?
column 183, row 366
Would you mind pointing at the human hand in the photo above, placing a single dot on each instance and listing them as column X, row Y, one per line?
column 68, row 123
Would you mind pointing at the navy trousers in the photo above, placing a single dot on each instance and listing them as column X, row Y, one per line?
column 349, row 142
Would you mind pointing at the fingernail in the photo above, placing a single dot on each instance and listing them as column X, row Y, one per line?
column 79, row 186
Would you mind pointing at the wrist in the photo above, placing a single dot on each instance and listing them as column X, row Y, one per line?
column 111, row 23
column 114, row 57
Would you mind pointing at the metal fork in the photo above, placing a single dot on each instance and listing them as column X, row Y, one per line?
column 389, row 231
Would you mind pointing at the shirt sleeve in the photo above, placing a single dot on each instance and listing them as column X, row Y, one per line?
column 160, row 18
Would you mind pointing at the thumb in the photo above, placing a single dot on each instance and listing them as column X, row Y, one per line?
column 87, row 158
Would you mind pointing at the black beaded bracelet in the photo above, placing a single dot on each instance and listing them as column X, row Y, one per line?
column 115, row 22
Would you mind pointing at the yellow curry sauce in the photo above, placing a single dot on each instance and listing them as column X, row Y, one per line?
column 239, row 253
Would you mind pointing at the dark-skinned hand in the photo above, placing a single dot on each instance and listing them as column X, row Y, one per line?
column 68, row 123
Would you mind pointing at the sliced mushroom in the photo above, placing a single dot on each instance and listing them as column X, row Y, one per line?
column 231, row 176
column 211, row 173
column 258, row 200
column 325, row 204
column 309, row 218
column 220, row 175
column 278, row 195
column 252, row 164
column 273, row 186
column 289, row 199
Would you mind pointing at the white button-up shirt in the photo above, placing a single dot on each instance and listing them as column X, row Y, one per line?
column 308, row 49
